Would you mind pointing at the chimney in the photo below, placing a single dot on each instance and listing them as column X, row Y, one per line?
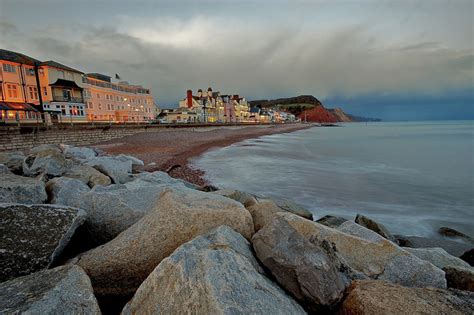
column 189, row 98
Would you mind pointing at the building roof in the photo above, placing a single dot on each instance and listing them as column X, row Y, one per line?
column 55, row 64
column 65, row 83
column 17, row 57
column 100, row 76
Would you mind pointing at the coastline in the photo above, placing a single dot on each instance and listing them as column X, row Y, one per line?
column 171, row 150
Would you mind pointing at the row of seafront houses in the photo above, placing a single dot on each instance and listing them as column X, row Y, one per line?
column 211, row 107
column 36, row 91
column 33, row 91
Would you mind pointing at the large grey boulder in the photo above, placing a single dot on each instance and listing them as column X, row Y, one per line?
column 4, row 169
column 215, row 273
column 13, row 160
column 244, row 198
column 437, row 256
column 378, row 297
column 119, row 170
column 375, row 257
column 374, row 226
column 134, row 160
column 307, row 268
column 331, row 221
column 263, row 213
column 120, row 266
column 62, row 290
column 292, row 207
column 461, row 278
column 45, row 149
column 32, row 237
column 88, row 175
column 63, row 190
column 79, row 153
column 114, row 208
column 48, row 161
column 454, row 248
column 19, row 189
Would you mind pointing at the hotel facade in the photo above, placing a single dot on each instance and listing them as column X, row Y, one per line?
column 35, row 91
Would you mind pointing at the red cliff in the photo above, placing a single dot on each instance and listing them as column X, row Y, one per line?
column 318, row 114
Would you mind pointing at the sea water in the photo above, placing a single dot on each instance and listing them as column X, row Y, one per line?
column 413, row 177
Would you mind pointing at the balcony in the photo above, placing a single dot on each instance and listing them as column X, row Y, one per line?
column 68, row 99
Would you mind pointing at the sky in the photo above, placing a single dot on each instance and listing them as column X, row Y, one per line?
column 395, row 60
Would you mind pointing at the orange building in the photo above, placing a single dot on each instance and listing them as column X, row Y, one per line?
column 20, row 77
column 116, row 102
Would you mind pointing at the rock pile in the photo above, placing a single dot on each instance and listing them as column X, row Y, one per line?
column 153, row 244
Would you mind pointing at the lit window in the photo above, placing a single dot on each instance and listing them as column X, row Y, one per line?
column 33, row 92
column 12, row 91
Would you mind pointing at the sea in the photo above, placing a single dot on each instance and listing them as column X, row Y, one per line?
column 413, row 177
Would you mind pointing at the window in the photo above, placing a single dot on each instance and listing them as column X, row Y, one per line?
column 30, row 71
column 100, row 106
column 45, row 91
column 12, row 91
column 63, row 109
column 9, row 68
column 108, row 105
column 41, row 72
column 91, row 106
column 33, row 91
column 67, row 95
column 61, row 74
column 98, row 95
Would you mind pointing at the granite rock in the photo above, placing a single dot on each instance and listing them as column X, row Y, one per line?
column 66, row 191
column 244, row 198
column 119, row 170
column 48, row 161
column 371, row 297
column 19, row 189
column 33, row 236
column 62, row 290
column 4, row 169
column 263, row 213
column 461, row 278
column 214, row 273
column 88, row 175
column 13, row 160
column 437, row 256
column 294, row 208
column 331, row 221
column 79, row 153
column 374, row 226
column 454, row 248
column 121, row 265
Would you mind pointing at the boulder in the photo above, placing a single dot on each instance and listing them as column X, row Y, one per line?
column 309, row 269
column 355, row 229
column 114, row 208
column 449, row 232
column 244, row 198
column 378, row 228
column 88, row 175
column 121, row 265
column 62, row 290
column 63, row 190
column 119, row 170
column 468, row 257
column 13, row 160
column 214, row 273
column 19, row 189
column 79, row 153
column 49, row 162
column 452, row 247
column 292, row 207
column 437, row 256
column 134, row 160
column 4, row 169
column 331, row 221
column 33, row 236
column 378, row 297
column 461, row 278
column 46, row 149
column 375, row 257
column 263, row 213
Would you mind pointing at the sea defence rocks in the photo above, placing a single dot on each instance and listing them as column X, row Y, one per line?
column 121, row 265
column 378, row 228
column 449, row 232
column 4, row 169
column 63, row 190
column 13, row 160
column 375, row 257
column 19, row 189
column 118, row 169
column 62, row 290
column 33, row 236
column 215, row 273
column 437, row 256
column 307, row 268
column 88, row 175
column 331, row 221
column 263, row 213
column 379, row 297
column 244, row 198
column 454, row 248
column 461, row 278
column 114, row 208
column 48, row 161
column 79, row 153
column 292, row 207
column 468, row 257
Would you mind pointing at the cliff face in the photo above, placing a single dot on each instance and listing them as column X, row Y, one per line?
column 318, row 114
column 340, row 115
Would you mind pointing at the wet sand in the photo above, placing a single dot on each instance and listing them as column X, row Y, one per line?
column 171, row 149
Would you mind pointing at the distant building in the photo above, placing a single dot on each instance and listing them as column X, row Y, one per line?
column 213, row 107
